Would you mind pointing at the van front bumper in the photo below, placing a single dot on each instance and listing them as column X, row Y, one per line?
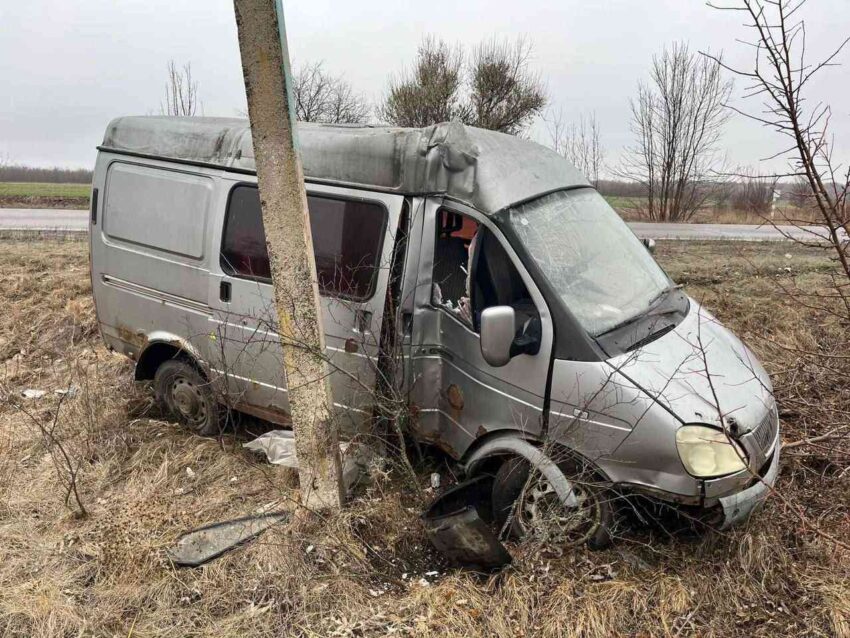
column 724, row 502
column 738, row 507
column 741, row 494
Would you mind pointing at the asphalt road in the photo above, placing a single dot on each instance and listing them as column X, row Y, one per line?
column 729, row 232
column 42, row 219
column 77, row 221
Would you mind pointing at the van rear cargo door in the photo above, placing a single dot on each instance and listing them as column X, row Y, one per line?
column 150, row 253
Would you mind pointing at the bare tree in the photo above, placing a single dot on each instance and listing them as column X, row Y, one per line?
column 780, row 74
column 493, row 88
column 678, row 118
column 753, row 192
column 430, row 93
column 580, row 143
column 800, row 193
column 181, row 91
column 505, row 94
column 322, row 97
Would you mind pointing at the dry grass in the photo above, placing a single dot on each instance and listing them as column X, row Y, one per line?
column 61, row 575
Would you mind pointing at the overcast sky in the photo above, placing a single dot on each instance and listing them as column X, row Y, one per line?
column 68, row 67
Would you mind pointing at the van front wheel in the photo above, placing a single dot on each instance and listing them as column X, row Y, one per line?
column 187, row 396
column 528, row 507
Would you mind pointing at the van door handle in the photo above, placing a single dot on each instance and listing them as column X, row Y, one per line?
column 224, row 291
column 94, row 207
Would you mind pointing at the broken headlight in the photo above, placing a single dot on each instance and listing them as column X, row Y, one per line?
column 707, row 452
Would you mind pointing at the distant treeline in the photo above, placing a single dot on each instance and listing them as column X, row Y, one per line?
column 14, row 173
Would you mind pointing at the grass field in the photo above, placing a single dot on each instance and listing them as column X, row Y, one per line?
column 366, row 572
column 25, row 189
column 619, row 202
column 42, row 195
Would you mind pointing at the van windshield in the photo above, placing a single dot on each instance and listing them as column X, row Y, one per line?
column 602, row 272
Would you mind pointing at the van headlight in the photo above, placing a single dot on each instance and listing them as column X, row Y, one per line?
column 706, row 452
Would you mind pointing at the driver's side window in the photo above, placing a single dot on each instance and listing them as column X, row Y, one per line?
column 473, row 272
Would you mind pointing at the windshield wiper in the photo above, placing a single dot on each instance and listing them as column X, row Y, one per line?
column 661, row 294
column 646, row 312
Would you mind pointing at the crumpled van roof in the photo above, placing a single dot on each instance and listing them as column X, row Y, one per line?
column 484, row 169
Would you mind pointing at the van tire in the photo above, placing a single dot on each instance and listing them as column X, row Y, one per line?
column 510, row 483
column 187, row 396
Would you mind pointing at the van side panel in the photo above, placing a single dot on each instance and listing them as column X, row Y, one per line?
column 157, row 276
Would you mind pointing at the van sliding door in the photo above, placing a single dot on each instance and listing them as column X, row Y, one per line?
column 353, row 237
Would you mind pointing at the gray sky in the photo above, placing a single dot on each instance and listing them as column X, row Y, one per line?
column 67, row 68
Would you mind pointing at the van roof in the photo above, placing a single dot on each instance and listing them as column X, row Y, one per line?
column 485, row 169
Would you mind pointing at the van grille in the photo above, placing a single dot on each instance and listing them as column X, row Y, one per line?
column 766, row 430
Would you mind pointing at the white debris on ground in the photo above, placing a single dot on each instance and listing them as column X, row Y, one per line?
column 279, row 448
column 33, row 393
column 277, row 445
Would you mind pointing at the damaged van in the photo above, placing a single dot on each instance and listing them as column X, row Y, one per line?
column 534, row 337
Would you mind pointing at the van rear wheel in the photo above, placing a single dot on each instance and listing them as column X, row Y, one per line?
column 528, row 507
column 187, row 396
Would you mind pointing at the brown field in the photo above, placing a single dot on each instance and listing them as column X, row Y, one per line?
column 360, row 573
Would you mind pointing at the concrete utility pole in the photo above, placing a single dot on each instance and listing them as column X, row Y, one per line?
column 268, row 80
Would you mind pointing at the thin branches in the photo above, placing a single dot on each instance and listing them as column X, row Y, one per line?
column 677, row 118
column 493, row 87
column 322, row 97
column 579, row 142
column 779, row 74
column 181, row 91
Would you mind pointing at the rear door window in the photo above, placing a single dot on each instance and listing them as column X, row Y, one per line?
column 347, row 239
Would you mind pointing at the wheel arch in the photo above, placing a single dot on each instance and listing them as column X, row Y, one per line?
column 161, row 348
column 515, row 443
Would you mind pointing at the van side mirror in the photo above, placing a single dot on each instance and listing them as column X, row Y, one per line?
column 498, row 327
column 649, row 243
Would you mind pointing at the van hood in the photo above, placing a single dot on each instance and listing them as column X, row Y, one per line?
column 698, row 366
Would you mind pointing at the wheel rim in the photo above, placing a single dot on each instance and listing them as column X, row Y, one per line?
column 188, row 401
column 545, row 517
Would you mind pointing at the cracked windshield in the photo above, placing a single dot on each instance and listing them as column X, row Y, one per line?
column 601, row 271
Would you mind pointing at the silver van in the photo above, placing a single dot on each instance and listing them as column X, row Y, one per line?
column 529, row 326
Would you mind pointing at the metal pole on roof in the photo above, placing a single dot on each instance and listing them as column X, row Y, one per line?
column 268, row 82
